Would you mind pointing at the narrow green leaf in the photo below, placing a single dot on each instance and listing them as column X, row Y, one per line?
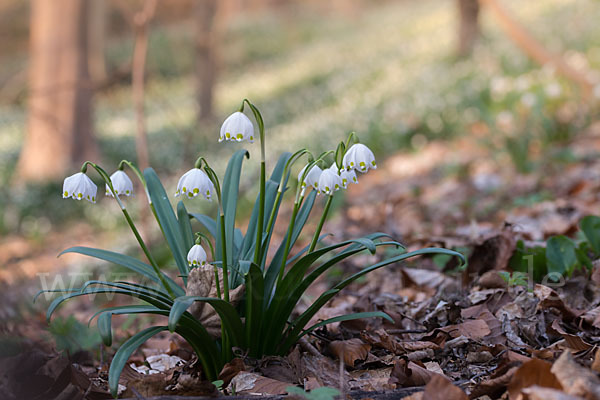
column 229, row 316
column 230, row 194
column 185, row 227
column 347, row 317
column 254, row 311
column 209, row 223
column 122, row 355
column 325, row 297
column 104, row 327
column 128, row 262
column 167, row 220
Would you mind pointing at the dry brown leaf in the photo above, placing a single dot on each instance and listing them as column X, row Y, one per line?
column 575, row 379
column 248, row 382
column 493, row 387
column 475, row 329
column 407, row 374
column 549, row 298
column 202, row 283
column 596, row 364
column 350, row 350
column 492, row 254
column 573, row 341
column 440, row 388
column 591, row 317
column 533, row 372
column 230, row 370
column 482, row 312
column 542, row 393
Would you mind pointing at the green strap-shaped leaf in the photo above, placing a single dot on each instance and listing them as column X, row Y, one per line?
column 298, row 324
column 325, row 297
column 168, row 221
column 347, row 317
column 229, row 317
column 590, row 226
column 93, row 290
column 128, row 262
column 209, row 223
column 125, row 351
column 230, row 194
column 185, row 227
column 271, row 187
column 301, row 218
column 281, row 309
column 254, row 311
column 104, row 327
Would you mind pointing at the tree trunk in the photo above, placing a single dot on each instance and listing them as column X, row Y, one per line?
column 206, row 56
column 536, row 50
column 468, row 27
column 59, row 130
column 97, row 39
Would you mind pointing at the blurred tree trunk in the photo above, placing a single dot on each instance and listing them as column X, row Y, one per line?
column 59, row 130
column 468, row 27
column 97, row 39
column 535, row 49
column 206, row 56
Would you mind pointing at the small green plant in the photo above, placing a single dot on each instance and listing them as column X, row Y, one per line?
column 562, row 255
column 262, row 322
column 322, row 393
column 516, row 278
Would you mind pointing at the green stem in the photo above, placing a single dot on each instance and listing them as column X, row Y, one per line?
column 315, row 238
column 261, row 209
column 137, row 235
column 147, row 253
column 224, row 259
column 288, row 241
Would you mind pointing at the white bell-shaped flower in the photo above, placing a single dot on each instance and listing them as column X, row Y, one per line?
column 359, row 157
column 329, row 182
column 79, row 186
column 196, row 256
column 195, row 182
column 346, row 176
column 121, row 183
column 237, row 127
column 311, row 179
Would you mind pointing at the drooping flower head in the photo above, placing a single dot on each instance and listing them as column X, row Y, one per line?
column 237, row 127
column 329, row 182
column 311, row 179
column 347, row 176
column 196, row 256
column 359, row 157
column 195, row 182
column 121, row 183
column 79, row 186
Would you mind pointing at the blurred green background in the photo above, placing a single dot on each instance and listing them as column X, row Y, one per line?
column 388, row 70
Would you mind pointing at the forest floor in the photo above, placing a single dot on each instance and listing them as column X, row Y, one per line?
column 457, row 333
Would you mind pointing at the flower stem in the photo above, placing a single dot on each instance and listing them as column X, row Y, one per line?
column 315, row 238
column 137, row 235
column 261, row 213
column 224, row 259
column 288, row 241
column 147, row 253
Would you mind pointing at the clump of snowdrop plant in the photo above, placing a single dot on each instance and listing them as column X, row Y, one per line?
column 263, row 323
